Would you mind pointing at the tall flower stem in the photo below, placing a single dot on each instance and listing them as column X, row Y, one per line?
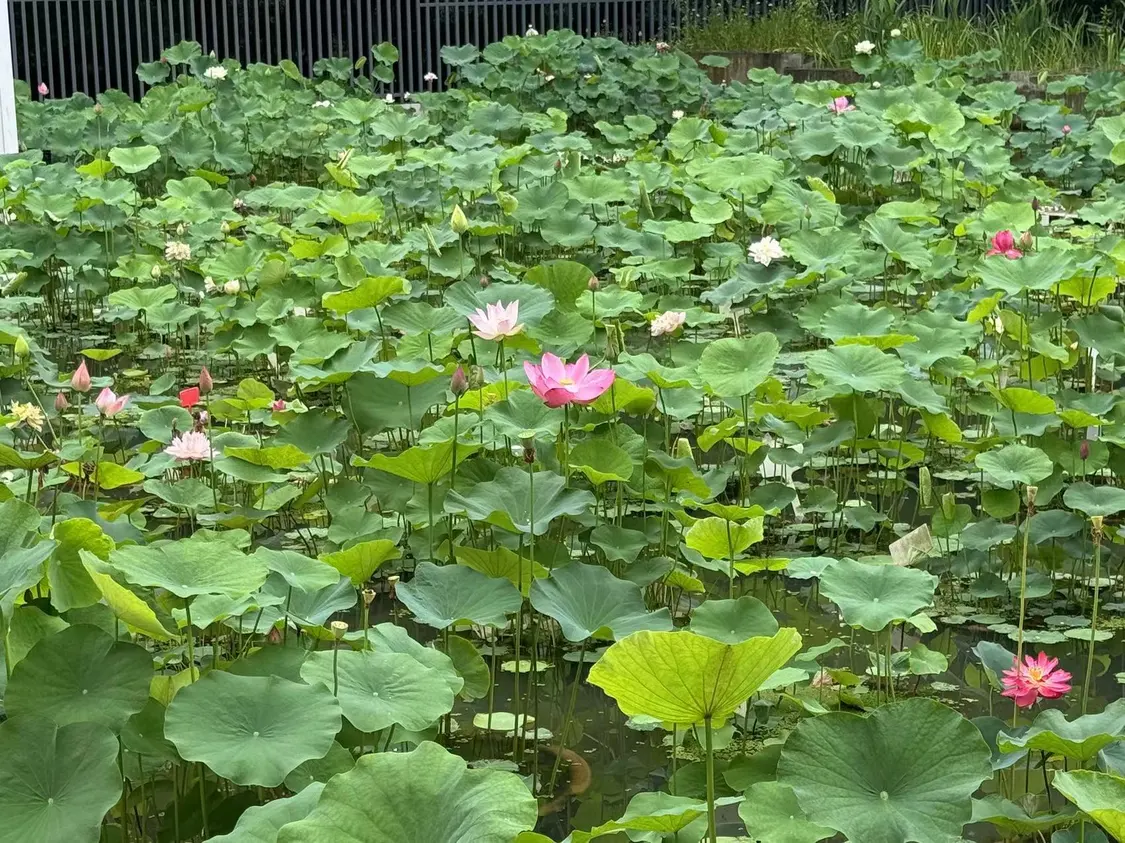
column 1032, row 491
column 1096, row 530
column 710, row 750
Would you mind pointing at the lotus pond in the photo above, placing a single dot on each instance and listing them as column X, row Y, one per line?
column 581, row 451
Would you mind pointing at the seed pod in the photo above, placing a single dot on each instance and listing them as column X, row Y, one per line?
column 338, row 629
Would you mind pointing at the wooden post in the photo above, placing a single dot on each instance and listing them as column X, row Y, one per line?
column 9, row 139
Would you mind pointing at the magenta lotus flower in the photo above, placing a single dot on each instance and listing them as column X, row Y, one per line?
column 840, row 105
column 1036, row 677
column 190, row 446
column 1004, row 243
column 497, row 321
column 559, row 383
column 110, row 403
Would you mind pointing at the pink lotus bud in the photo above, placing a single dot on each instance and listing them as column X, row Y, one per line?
column 1066, row 129
column 60, row 402
column 459, row 383
column 80, row 380
column 43, row 91
column 1084, row 450
column 278, row 406
column 593, row 284
column 206, row 384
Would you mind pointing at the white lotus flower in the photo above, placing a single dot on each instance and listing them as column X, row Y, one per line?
column 215, row 71
column 766, row 251
column 864, row 48
column 896, row 33
column 677, row 115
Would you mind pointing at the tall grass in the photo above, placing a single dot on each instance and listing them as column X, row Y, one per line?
column 1029, row 36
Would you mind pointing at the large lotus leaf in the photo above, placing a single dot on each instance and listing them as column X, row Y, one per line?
column 423, row 796
column 123, row 602
column 252, row 730
column 904, row 774
column 518, row 503
column 720, row 538
column 685, row 678
column 523, row 415
column 56, row 782
column 501, row 563
column 71, row 585
column 1100, row 795
column 80, row 674
column 361, row 560
column 1040, row 271
column 188, row 568
column 299, row 571
column 389, row 638
column 746, row 175
column 655, row 814
column 589, row 601
column 733, row 367
column 1080, row 739
column 1014, row 464
column 1095, row 500
column 420, row 464
column 733, row 621
column 849, row 369
column 261, row 823
column 872, row 596
column 771, row 812
column 378, row 689
column 441, row 596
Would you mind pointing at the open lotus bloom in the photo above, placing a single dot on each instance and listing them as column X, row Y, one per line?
column 110, row 403
column 1004, row 243
column 497, row 321
column 559, row 383
column 1036, row 677
column 840, row 105
column 190, row 446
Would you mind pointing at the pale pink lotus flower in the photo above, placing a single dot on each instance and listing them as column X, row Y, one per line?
column 110, row 403
column 80, row 380
column 840, row 105
column 278, row 406
column 190, row 446
column 1003, row 243
column 42, row 89
column 667, row 322
column 430, row 77
column 497, row 321
column 559, row 383
column 1036, row 677
column 766, row 251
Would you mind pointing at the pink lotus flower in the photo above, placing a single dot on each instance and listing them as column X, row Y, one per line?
column 42, row 89
column 80, row 380
column 559, row 383
column 840, row 105
column 1036, row 677
column 278, row 406
column 110, row 403
column 497, row 321
column 190, row 446
column 1003, row 243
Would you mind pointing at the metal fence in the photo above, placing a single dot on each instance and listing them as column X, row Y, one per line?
column 91, row 46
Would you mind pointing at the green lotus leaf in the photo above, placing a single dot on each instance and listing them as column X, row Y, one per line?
column 417, row 797
column 518, row 503
column 189, row 568
column 847, row 369
column 589, row 601
column 601, row 461
column 1080, row 739
column 1014, row 465
column 262, row 823
column 1100, row 795
column 685, row 678
column 56, row 782
column 470, row 666
column 420, row 464
column 907, row 772
column 1095, row 500
column 361, row 560
column 771, row 812
column 80, row 674
column 389, row 638
column 502, row 563
column 297, row 570
column 872, row 596
column 733, row 621
column 320, row 770
column 719, row 538
column 252, row 730
column 369, row 293
column 1010, row 817
column 376, row 690
column 124, row 603
column 71, row 586
column 734, row 367
column 439, row 596
column 135, row 159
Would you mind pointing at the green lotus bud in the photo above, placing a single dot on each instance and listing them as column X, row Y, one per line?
column 925, row 486
column 682, row 450
column 22, row 348
column 508, row 203
column 458, row 221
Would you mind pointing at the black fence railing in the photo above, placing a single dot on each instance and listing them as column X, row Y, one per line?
column 93, row 45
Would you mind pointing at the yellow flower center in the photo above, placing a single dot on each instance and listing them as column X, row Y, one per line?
column 1035, row 674
column 566, row 382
